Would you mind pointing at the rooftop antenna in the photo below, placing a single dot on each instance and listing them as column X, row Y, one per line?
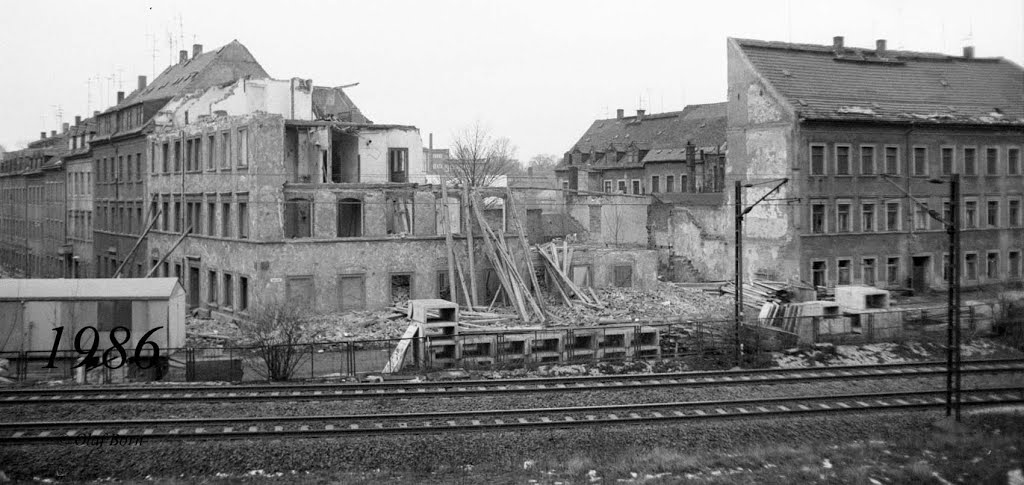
column 152, row 54
column 120, row 79
column 181, row 29
column 170, row 48
column 789, row 20
column 88, row 97
column 58, row 113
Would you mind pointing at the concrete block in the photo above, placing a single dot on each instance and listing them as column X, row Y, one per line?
column 862, row 298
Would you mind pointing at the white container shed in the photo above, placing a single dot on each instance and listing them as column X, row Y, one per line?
column 30, row 310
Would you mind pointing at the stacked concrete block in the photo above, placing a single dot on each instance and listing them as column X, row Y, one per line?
column 646, row 343
column 614, row 343
column 854, row 298
column 546, row 346
column 581, row 344
column 438, row 321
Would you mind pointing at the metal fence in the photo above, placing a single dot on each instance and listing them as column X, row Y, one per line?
column 701, row 344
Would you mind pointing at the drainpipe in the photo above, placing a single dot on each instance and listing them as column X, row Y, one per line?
column 909, row 163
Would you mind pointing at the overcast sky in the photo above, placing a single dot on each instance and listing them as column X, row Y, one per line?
column 538, row 72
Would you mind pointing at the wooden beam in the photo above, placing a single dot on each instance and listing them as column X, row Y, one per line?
column 176, row 244
column 117, row 273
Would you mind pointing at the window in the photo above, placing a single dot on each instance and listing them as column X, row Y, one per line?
column 818, row 273
column 225, row 217
column 971, row 266
column 970, row 161
column 211, row 288
column 921, row 217
column 992, row 265
column 177, row 156
column 867, row 217
column 867, row 160
column 243, row 147
column 992, row 214
column 867, row 269
column 636, row 187
column 670, row 182
column 243, row 293
column 992, row 161
column 843, row 217
column 1013, row 268
column 844, row 271
column 211, row 216
column 298, row 218
column 817, row 159
column 177, row 216
column 947, row 160
column 398, row 159
column 222, row 150
column 892, row 216
column 1013, row 161
column 946, row 269
column 211, row 149
column 623, row 275
column 947, row 212
column 622, row 186
column 655, row 185
column 228, row 291
column 892, row 271
column 607, row 186
column 892, row 160
column 243, row 219
column 350, row 218
column 818, row 218
column 920, row 161
column 165, row 216
column 842, row 160
column 352, row 291
column 1014, row 213
column 970, row 214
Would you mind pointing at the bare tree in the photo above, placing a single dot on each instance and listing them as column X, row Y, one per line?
column 543, row 164
column 277, row 331
column 478, row 159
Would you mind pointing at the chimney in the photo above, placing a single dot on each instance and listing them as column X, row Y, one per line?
column 968, row 52
column 66, row 126
column 880, row 48
column 182, row 56
column 837, row 44
column 42, row 135
column 196, row 50
column 120, row 97
column 639, row 114
column 95, row 113
column 78, row 120
column 53, row 133
column 619, row 113
column 142, row 83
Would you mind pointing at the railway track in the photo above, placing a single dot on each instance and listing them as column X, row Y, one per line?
column 277, row 427
column 327, row 391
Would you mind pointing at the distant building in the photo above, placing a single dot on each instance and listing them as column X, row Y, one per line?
column 834, row 119
column 32, row 208
column 673, row 152
column 78, row 165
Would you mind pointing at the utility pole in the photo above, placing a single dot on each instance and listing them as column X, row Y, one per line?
column 953, row 329
column 738, row 296
column 952, row 224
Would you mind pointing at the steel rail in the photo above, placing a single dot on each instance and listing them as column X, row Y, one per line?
column 272, row 427
column 146, row 393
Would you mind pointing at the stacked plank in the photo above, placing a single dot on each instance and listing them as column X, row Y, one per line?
column 558, row 262
column 498, row 252
column 758, row 292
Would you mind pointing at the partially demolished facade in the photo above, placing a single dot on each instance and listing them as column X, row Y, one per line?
column 284, row 196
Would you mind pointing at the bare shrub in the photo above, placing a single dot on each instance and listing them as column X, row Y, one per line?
column 277, row 331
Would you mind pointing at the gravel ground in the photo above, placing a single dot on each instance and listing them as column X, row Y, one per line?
column 429, row 458
column 68, row 412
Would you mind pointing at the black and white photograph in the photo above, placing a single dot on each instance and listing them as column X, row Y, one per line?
column 558, row 242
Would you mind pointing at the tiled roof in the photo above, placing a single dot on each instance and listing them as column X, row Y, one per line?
column 700, row 124
column 899, row 86
column 226, row 64
column 334, row 104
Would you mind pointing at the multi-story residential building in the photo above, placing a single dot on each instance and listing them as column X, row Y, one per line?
column 265, row 197
column 78, row 249
column 121, row 157
column 847, row 126
column 673, row 152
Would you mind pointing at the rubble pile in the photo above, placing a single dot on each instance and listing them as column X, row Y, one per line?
column 664, row 302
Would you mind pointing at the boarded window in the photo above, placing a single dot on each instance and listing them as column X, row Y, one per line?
column 299, row 290
column 350, row 218
column 352, row 292
column 398, row 160
column 623, row 276
column 111, row 314
column 298, row 218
